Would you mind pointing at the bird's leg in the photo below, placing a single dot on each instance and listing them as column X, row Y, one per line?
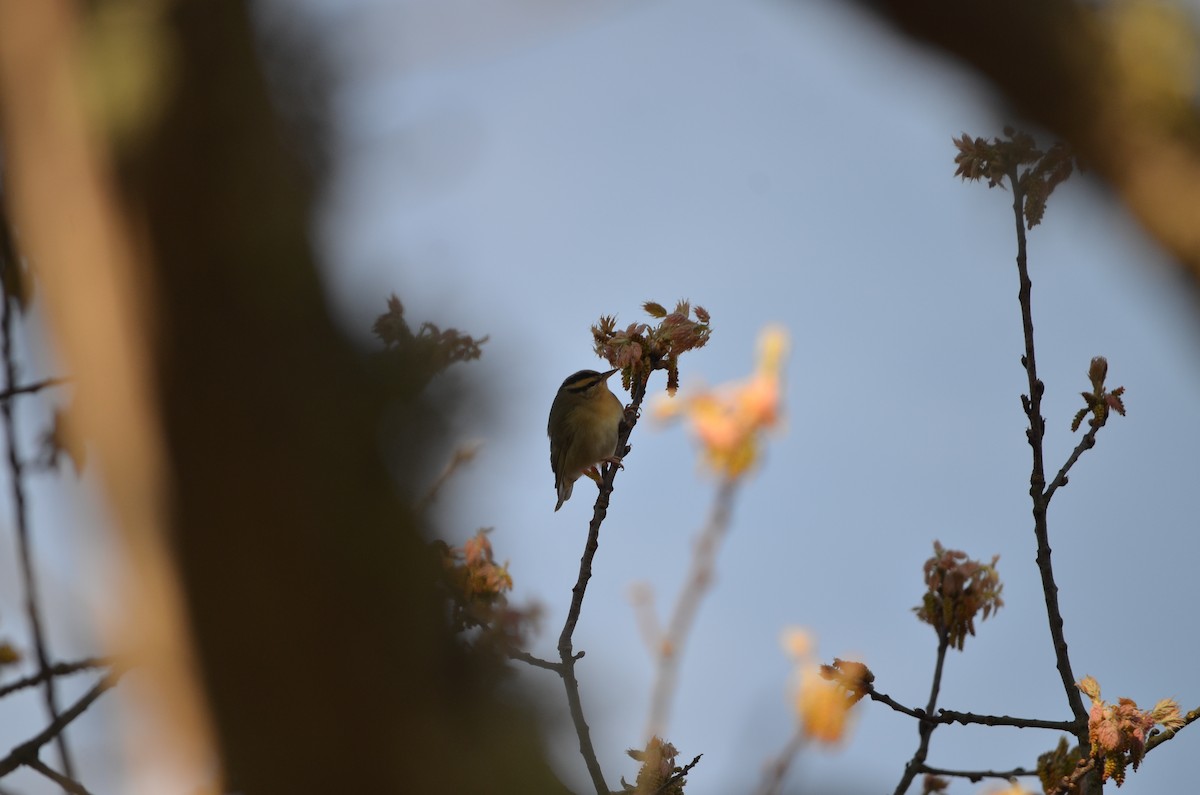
column 593, row 471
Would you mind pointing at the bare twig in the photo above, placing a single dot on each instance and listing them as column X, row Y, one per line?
column 669, row 650
column 1086, row 443
column 777, row 770
column 926, row 727
column 536, row 662
column 29, row 389
column 1069, row 783
column 16, row 469
column 947, row 716
column 27, row 751
column 950, row 716
column 677, row 777
column 884, row 698
column 1036, row 434
column 566, row 654
column 462, row 455
column 58, row 669
column 1038, row 492
column 69, row 784
column 975, row 776
column 1167, row 734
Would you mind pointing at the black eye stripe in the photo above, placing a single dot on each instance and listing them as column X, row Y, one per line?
column 581, row 381
column 583, row 385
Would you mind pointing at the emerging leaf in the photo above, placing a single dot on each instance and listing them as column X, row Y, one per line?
column 958, row 589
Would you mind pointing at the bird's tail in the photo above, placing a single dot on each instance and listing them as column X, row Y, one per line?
column 564, row 491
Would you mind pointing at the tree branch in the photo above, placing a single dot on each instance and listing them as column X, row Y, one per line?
column 1037, row 479
column 16, row 469
column 773, row 781
column 677, row 777
column 926, row 726
column 26, row 752
column 670, row 645
column 566, row 654
column 975, row 776
column 950, row 716
column 69, row 784
column 1167, row 734
column 536, row 662
column 31, row 388
column 58, row 669
column 1086, row 443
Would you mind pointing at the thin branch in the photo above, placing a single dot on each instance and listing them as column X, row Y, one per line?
column 58, row 669
column 536, row 662
column 884, row 698
column 926, row 727
column 679, row 776
column 565, row 649
column 69, row 784
column 1167, row 734
column 1086, row 443
column 669, row 649
column 462, row 455
column 27, row 389
column 1037, row 479
column 1071, row 782
column 950, row 716
column 975, row 776
column 28, row 751
column 586, row 749
column 21, row 521
column 641, row 596
column 777, row 771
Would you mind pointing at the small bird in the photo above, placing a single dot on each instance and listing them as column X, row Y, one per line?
column 584, row 421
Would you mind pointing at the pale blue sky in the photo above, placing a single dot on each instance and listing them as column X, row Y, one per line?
column 786, row 163
column 519, row 168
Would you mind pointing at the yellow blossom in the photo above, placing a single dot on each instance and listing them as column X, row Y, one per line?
column 729, row 420
column 824, row 693
column 1012, row 789
column 822, row 708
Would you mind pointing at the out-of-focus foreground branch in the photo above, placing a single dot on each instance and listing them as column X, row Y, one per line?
column 238, row 433
column 1116, row 80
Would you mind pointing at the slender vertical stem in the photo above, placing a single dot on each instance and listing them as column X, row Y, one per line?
column 670, row 646
column 1037, row 478
column 16, row 469
column 917, row 763
column 566, row 653
column 778, row 770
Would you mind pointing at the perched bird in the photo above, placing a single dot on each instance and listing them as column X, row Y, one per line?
column 584, row 420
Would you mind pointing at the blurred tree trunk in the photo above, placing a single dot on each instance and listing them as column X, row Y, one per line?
column 321, row 648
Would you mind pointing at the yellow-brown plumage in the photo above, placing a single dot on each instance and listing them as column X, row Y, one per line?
column 584, row 421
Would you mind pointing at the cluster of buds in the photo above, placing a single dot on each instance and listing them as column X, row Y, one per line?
column 1060, row 770
column 640, row 348
column 957, row 590
column 477, row 586
column 997, row 159
column 1099, row 401
column 1118, row 732
column 420, row 355
column 729, row 421
column 658, row 773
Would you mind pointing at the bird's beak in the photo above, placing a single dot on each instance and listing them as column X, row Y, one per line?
column 610, row 372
